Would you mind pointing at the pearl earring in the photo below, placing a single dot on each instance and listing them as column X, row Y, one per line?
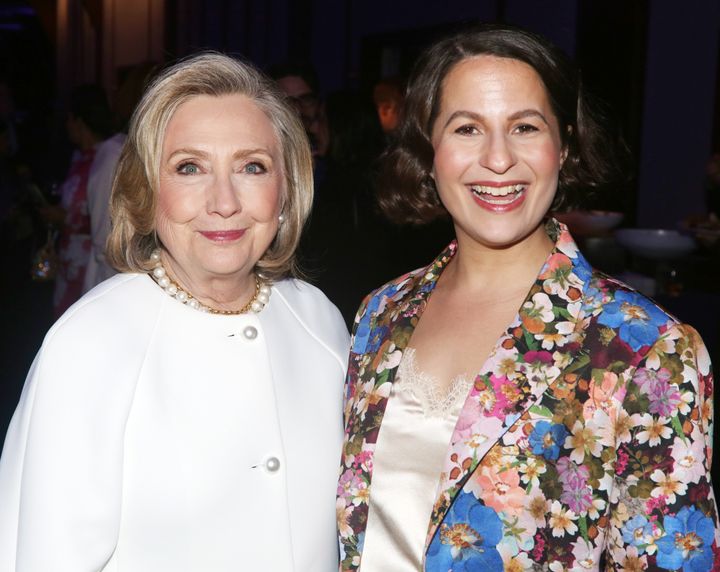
column 281, row 218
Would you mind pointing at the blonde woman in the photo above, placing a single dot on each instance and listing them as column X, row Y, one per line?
column 185, row 414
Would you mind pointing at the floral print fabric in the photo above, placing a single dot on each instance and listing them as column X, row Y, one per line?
column 583, row 444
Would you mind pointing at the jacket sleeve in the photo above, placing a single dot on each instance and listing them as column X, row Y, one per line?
column 61, row 467
column 663, row 514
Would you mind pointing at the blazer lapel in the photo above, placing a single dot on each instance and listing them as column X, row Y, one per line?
column 543, row 341
column 383, row 332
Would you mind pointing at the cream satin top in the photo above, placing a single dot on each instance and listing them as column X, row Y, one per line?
column 416, row 430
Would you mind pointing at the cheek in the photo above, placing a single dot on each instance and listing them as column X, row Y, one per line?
column 264, row 204
column 177, row 205
column 449, row 161
column 547, row 161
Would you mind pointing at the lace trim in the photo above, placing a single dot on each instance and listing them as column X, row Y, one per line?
column 434, row 401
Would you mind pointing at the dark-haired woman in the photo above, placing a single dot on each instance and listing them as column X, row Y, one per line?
column 509, row 407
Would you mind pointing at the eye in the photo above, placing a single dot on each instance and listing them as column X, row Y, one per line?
column 255, row 168
column 466, row 130
column 188, row 169
column 526, row 128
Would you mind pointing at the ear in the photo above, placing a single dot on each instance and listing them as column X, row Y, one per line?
column 564, row 152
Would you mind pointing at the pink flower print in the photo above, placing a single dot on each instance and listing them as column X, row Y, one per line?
column 565, row 243
column 468, row 419
column 352, row 487
column 647, row 379
column 576, row 493
column 664, row 399
column 556, row 263
column 621, row 462
column 571, row 474
column 541, row 357
column 504, row 395
column 557, row 275
column 656, row 504
column 364, row 460
column 579, row 500
column 499, row 490
column 602, row 394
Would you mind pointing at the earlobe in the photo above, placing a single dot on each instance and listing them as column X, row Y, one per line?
column 564, row 152
column 563, row 156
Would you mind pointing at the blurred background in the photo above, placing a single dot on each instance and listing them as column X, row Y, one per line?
column 652, row 65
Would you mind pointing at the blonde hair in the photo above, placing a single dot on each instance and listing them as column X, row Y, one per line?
column 134, row 194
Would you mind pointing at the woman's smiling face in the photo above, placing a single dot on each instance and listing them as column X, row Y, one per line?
column 498, row 150
column 220, row 190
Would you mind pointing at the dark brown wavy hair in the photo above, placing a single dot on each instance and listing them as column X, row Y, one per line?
column 407, row 193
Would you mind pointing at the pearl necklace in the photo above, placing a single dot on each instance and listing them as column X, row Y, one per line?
column 160, row 275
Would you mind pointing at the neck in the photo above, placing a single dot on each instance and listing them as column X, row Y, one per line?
column 223, row 293
column 479, row 268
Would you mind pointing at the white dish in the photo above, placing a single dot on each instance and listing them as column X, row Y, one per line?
column 590, row 223
column 658, row 244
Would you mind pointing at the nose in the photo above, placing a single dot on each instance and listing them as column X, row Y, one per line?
column 223, row 197
column 497, row 154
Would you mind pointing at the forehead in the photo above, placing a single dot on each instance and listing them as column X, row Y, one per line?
column 486, row 77
column 233, row 118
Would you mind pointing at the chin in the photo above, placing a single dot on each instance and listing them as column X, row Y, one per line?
column 227, row 264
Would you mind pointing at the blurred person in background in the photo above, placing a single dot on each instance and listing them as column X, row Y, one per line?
column 299, row 82
column 345, row 232
column 89, row 123
column 389, row 100
column 185, row 415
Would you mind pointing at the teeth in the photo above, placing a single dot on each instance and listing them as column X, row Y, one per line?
column 497, row 191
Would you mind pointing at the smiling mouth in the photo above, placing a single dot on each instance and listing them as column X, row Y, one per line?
column 498, row 195
column 223, row 235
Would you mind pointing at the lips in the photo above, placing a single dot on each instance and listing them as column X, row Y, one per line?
column 498, row 197
column 223, row 236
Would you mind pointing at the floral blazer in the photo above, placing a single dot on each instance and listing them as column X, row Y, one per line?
column 584, row 443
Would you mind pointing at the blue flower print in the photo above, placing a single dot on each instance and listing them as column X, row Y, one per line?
column 637, row 317
column 546, row 439
column 466, row 540
column 687, row 542
column 376, row 337
column 582, row 269
column 364, row 328
column 637, row 531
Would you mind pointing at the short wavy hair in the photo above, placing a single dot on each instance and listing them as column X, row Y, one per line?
column 135, row 187
column 408, row 193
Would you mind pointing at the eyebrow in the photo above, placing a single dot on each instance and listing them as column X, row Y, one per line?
column 204, row 155
column 522, row 114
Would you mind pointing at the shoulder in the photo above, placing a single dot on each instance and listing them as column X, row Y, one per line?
column 314, row 311
column 394, row 291
column 619, row 310
column 109, row 150
column 111, row 313
column 112, row 144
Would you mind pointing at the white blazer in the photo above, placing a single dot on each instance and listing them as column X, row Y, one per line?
column 151, row 437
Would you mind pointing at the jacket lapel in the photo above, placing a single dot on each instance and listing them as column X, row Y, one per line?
column 383, row 330
column 543, row 341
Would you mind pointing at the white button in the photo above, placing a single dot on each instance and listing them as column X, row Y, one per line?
column 250, row 332
column 272, row 464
